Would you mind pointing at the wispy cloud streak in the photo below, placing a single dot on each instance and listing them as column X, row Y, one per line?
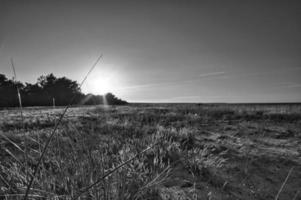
column 211, row 74
column 289, row 85
column 294, row 86
column 160, row 84
column 274, row 72
column 170, row 83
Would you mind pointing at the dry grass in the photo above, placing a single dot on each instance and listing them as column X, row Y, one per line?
column 201, row 152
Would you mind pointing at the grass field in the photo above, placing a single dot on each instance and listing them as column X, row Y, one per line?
column 204, row 151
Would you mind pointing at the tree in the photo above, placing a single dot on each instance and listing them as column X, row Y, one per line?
column 62, row 89
column 111, row 99
column 48, row 87
column 34, row 95
column 8, row 91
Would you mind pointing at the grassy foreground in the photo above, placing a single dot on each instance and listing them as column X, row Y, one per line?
column 200, row 152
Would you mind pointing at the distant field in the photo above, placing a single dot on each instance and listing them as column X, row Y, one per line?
column 201, row 151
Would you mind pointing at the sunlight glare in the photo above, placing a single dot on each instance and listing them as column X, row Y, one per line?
column 103, row 82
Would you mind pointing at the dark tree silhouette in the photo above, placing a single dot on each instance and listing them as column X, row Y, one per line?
column 111, row 99
column 61, row 89
column 8, row 91
column 45, row 89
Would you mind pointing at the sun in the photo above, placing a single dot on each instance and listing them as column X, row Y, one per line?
column 103, row 82
column 103, row 86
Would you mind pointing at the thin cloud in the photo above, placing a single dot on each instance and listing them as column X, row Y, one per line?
column 211, row 74
column 293, row 85
column 141, row 86
column 170, row 83
column 289, row 85
column 280, row 71
column 157, row 84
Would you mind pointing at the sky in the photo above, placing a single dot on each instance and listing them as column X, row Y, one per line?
column 159, row 51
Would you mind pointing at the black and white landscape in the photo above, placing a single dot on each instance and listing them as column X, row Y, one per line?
column 140, row 99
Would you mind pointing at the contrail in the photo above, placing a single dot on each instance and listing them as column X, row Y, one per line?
column 290, row 85
column 211, row 74
column 171, row 82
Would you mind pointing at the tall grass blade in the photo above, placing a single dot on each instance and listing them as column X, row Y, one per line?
column 55, row 128
column 22, row 117
column 296, row 195
column 11, row 142
column 284, row 182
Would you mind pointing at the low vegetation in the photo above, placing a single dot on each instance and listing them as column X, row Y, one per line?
column 197, row 152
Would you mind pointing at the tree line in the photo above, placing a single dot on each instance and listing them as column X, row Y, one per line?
column 50, row 89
